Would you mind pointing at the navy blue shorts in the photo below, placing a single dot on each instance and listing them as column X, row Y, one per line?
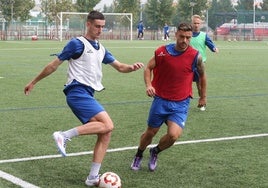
column 163, row 110
column 80, row 99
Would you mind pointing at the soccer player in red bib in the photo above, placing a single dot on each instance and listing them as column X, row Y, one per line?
column 168, row 79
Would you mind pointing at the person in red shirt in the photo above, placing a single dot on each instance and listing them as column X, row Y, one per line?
column 168, row 79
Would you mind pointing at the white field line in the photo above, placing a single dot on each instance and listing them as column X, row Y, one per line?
column 25, row 184
column 132, row 148
column 142, row 47
column 16, row 180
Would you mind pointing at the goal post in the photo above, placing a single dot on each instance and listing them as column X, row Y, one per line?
column 64, row 25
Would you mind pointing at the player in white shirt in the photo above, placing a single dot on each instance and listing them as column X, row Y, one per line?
column 85, row 56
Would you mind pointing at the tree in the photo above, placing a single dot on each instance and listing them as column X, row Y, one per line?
column 245, row 11
column 265, row 5
column 86, row 5
column 166, row 10
column 109, row 20
column 109, row 9
column 52, row 7
column 186, row 8
column 127, row 6
column 16, row 10
column 248, row 5
column 220, row 12
column 159, row 12
column 152, row 13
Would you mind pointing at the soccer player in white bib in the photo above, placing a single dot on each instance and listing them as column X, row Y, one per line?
column 85, row 56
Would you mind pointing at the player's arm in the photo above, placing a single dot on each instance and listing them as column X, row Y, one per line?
column 125, row 68
column 120, row 67
column 148, row 73
column 49, row 69
column 202, row 81
column 210, row 44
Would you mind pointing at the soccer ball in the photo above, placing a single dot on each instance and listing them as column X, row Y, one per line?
column 110, row 180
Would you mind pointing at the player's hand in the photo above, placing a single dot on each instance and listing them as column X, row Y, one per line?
column 150, row 91
column 137, row 66
column 28, row 88
column 202, row 102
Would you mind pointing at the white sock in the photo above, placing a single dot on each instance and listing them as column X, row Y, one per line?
column 95, row 169
column 71, row 133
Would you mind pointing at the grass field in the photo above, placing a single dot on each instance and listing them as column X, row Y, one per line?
column 225, row 146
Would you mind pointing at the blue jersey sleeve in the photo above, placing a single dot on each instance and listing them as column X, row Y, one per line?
column 73, row 48
column 209, row 43
column 108, row 57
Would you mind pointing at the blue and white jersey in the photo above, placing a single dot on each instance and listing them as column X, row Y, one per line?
column 85, row 62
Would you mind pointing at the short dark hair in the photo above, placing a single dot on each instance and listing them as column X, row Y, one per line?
column 95, row 15
column 184, row 27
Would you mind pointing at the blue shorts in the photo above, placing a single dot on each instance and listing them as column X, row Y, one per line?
column 80, row 99
column 163, row 110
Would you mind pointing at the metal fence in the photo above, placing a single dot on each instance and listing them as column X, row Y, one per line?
column 42, row 31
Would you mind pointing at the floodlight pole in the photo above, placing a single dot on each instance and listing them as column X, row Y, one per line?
column 141, row 10
column 254, row 15
column 12, row 10
column 207, row 7
column 60, row 25
column 207, row 20
column 192, row 4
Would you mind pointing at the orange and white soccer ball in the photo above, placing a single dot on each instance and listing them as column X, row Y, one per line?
column 110, row 180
